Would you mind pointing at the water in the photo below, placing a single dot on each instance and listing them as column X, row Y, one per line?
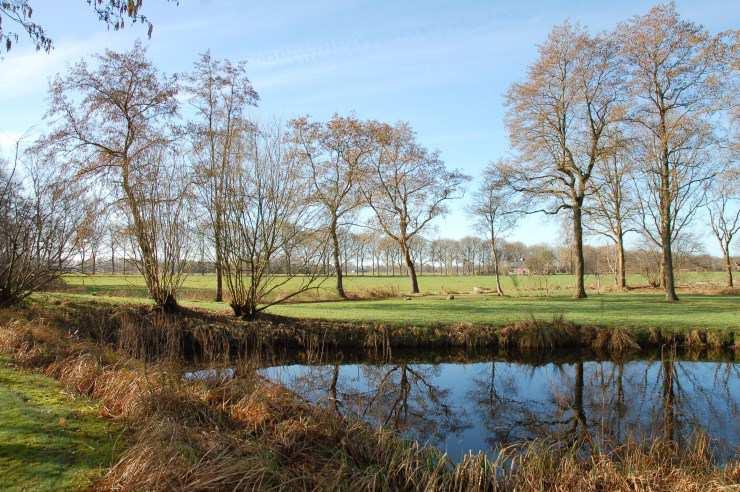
column 479, row 406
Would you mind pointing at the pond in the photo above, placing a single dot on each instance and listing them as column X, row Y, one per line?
column 478, row 406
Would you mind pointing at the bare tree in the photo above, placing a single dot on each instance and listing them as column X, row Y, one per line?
column 724, row 214
column 114, row 13
column 113, row 236
column 267, row 208
column 164, row 203
column 220, row 93
column 334, row 153
column 558, row 119
column 40, row 214
column 406, row 187
column 113, row 121
column 494, row 210
column 674, row 77
column 92, row 230
column 613, row 210
column 540, row 259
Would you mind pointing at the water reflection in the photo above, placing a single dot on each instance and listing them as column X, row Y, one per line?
column 479, row 406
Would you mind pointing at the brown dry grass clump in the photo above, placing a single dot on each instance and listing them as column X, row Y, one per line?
column 617, row 341
column 538, row 335
column 660, row 465
column 380, row 292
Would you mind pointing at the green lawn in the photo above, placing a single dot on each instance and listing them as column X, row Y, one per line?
column 527, row 297
column 203, row 287
column 626, row 310
column 632, row 310
column 49, row 440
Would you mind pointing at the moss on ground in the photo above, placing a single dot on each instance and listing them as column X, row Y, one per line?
column 49, row 439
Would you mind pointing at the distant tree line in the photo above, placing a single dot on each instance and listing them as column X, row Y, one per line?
column 368, row 254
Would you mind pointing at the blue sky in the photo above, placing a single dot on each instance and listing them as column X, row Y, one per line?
column 443, row 66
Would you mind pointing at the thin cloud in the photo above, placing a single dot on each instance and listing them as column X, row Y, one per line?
column 29, row 71
column 7, row 142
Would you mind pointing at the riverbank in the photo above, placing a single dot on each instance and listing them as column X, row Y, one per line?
column 250, row 433
column 202, row 335
column 639, row 313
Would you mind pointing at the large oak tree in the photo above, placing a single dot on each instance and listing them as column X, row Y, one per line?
column 675, row 72
column 557, row 119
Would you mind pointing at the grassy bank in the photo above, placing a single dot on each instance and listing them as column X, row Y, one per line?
column 49, row 439
column 140, row 331
column 541, row 298
column 246, row 433
column 637, row 312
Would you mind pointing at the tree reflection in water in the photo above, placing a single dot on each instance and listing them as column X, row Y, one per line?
column 480, row 406
column 399, row 396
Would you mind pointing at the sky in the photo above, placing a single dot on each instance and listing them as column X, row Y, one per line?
column 442, row 66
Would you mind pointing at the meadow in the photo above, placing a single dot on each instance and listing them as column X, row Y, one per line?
column 383, row 299
column 203, row 287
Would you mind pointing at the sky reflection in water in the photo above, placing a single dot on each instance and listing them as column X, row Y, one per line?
column 461, row 407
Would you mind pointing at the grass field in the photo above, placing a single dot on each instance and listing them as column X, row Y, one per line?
column 49, row 440
column 529, row 297
column 626, row 310
column 203, row 287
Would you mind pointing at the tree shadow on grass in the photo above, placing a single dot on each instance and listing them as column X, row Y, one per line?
column 48, row 440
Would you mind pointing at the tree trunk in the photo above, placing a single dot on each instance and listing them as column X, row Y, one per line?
column 169, row 303
column 666, row 228
column 494, row 255
column 668, row 400
column 728, row 266
column 667, row 266
column 246, row 310
column 219, row 267
column 578, row 397
column 621, row 270
column 337, row 260
column 661, row 275
column 161, row 297
column 580, row 291
column 411, row 269
column 346, row 260
column 333, row 388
